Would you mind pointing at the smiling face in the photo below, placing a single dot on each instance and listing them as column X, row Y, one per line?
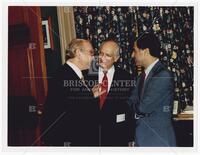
column 108, row 55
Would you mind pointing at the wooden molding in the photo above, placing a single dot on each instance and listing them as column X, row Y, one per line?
column 66, row 26
column 31, row 72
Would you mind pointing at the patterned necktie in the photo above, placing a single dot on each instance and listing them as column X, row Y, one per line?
column 104, row 86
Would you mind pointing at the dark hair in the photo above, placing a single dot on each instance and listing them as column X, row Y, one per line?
column 150, row 41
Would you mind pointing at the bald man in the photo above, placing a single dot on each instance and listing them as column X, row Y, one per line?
column 115, row 125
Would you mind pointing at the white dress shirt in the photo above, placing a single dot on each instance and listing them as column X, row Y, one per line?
column 109, row 74
column 149, row 68
column 75, row 69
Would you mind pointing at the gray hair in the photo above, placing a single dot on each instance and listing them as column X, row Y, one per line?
column 73, row 46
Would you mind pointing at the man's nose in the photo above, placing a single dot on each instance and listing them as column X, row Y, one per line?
column 101, row 57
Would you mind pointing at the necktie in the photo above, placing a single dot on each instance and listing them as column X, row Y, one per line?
column 104, row 86
column 141, row 84
column 140, row 90
column 83, row 81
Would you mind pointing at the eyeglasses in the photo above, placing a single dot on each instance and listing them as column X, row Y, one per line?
column 89, row 52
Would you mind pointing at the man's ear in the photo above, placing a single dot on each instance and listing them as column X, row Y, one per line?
column 146, row 51
column 77, row 53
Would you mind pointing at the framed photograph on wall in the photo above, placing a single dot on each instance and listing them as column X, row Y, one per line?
column 47, row 34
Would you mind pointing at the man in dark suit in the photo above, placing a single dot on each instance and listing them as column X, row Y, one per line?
column 115, row 124
column 152, row 99
column 70, row 116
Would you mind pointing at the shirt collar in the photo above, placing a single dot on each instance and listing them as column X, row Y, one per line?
column 149, row 68
column 76, row 69
column 111, row 70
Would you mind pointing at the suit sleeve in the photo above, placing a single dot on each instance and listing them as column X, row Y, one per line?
column 158, row 90
column 130, row 113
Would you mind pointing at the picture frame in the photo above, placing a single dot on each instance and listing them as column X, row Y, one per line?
column 47, row 34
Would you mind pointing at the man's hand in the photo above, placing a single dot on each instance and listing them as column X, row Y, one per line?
column 131, row 144
column 98, row 91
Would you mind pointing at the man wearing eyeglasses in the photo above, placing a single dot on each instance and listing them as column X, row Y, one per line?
column 71, row 113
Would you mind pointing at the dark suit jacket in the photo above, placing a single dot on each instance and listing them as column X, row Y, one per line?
column 156, row 100
column 70, row 111
column 116, row 126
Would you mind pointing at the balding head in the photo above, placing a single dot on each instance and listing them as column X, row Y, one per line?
column 112, row 45
column 108, row 54
column 74, row 45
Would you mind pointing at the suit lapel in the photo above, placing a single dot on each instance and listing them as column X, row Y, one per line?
column 137, row 85
column 75, row 76
column 151, row 74
column 112, row 86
